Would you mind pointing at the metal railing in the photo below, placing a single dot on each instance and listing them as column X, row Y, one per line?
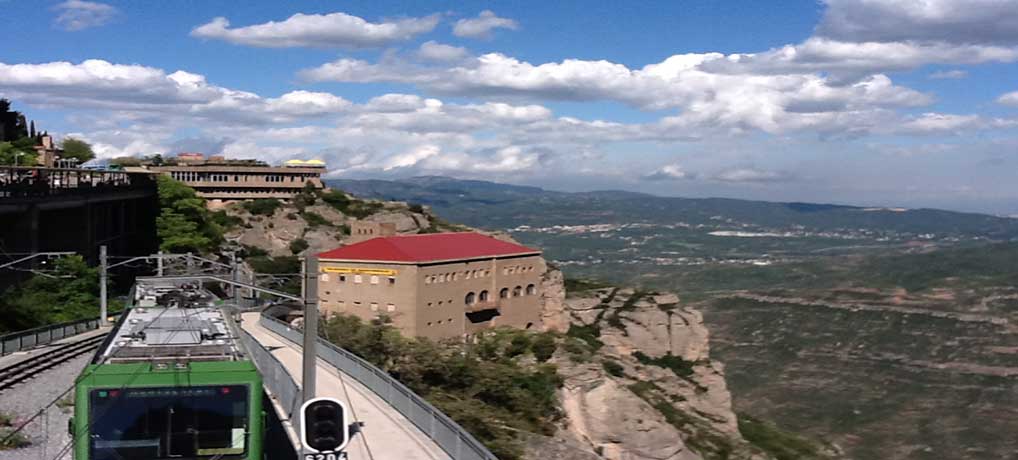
column 275, row 377
column 446, row 433
column 23, row 340
column 33, row 182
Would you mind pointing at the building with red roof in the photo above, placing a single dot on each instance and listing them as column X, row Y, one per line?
column 437, row 285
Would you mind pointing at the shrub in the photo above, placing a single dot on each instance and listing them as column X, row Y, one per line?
column 298, row 245
column 362, row 209
column 416, row 207
column 252, row 251
column 679, row 366
column 589, row 334
column 612, row 367
column 336, row 199
column 315, row 219
column 780, row 444
column 262, row 206
column 543, row 347
column 478, row 385
column 226, row 221
column 7, row 440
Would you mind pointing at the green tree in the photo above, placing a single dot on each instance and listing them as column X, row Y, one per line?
column 184, row 223
column 67, row 292
column 10, row 150
column 77, row 148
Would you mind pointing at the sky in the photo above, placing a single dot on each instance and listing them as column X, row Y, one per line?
column 910, row 103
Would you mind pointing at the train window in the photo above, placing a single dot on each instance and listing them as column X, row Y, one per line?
column 169, row 422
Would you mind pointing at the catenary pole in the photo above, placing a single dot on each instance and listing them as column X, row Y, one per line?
column 310, row 325
column 102, row 286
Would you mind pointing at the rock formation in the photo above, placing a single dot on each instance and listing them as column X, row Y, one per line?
column 649, row 391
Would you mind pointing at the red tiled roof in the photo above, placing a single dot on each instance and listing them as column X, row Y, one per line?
column 429, row 247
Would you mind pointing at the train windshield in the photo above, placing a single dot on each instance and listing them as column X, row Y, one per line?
column 169, row 422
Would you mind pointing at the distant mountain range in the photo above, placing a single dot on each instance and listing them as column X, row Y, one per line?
column 494, row 205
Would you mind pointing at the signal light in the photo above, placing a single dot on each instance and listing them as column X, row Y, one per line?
column 324, row 425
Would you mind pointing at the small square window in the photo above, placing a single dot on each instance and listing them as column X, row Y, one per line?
column 357, row 279
column 325, row 277
column 390, row 308
column 374, row 306
column 342, row 278
column 392, row 280
column 374, row 279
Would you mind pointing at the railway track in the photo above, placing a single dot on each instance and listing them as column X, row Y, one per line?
column 29, row 368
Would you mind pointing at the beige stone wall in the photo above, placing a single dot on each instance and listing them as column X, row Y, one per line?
column 368, row 295
column 431, row 300
column 363, row 230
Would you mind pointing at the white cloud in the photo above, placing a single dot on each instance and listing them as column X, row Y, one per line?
column 482, row 25
column 751, row 175
column 771, row 103
column 434, row 51
column 100, row 84
column 951, row 21
column 79, row 14
column 849, row 61
column 955, row 74
column 1010, row 99
column 318, row 30
column 939, row 123
column 668, row 172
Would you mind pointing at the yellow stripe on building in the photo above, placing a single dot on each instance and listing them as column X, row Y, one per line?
column 360, row 271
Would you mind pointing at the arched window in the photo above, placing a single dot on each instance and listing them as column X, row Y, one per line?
column 531, row 289
column 471, row 299
column 483, row 297
column 504, row 293
column 517, row 291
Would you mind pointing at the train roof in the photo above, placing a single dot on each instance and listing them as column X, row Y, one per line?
column 172, row 323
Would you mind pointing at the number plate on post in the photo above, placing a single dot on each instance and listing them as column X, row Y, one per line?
column 326, row 456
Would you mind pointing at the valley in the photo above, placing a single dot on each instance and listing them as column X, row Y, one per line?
column 888, row 333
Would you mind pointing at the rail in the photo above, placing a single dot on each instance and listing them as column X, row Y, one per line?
column 23, row 340
column 449, row 436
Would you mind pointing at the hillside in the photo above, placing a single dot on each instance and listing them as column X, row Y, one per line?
column 889, row 333
column 488, row 204
column 606, row 355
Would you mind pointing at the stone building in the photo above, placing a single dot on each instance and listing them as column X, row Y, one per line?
column 363, row 230
column 226, row 182
column 437, row 285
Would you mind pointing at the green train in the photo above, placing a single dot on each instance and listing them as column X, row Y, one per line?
column 171, row 381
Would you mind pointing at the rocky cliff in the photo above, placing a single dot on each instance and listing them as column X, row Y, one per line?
column 647, row 389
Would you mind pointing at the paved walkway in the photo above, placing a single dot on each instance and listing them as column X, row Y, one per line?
column 386, row 433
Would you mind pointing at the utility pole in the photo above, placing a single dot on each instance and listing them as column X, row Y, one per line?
column 310, row 325
column 235, row 276
column 159, row 264
column 102, row 286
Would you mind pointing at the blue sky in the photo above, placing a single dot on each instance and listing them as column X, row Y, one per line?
column 875, row 102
